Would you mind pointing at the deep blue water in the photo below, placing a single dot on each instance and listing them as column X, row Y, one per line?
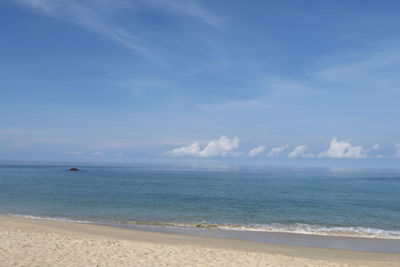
column 366, row 201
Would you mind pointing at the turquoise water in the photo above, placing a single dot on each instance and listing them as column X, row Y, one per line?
column 330, row 201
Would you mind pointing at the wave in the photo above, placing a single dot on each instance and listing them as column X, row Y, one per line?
column 59, row 219
column 296, row 228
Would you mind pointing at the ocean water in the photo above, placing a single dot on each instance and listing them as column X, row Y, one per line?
column 325, row 201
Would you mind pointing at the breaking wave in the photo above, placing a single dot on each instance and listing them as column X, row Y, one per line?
column 296, row 228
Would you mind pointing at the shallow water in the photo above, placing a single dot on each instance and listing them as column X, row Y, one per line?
column 326, row 201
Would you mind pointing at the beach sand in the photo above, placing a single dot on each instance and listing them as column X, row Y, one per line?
column 34, row 242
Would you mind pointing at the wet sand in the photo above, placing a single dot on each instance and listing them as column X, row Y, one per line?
column 358, row 243
column 33, row 242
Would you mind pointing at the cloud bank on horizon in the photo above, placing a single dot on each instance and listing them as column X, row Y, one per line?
column 225, row 146
column 276, row 151
column 343, row 149
column 300, row 151
column 215, row 148
column 256, row 151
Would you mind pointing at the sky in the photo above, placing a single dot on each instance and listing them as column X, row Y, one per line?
column 191, row 81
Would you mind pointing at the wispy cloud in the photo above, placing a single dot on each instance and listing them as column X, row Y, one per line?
column 376, row 69
column 98, row 153
column 256, row 151
column 190, row 8
column 95, row 16
column 301, row 151
column 242, row 104
column 343, row 149
column 215, row 148
column 21, row 142
column 87, row 16
column 74, row 153
column 397, row 147
column 276, row 151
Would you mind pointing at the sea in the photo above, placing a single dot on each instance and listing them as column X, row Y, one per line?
column 338, row 202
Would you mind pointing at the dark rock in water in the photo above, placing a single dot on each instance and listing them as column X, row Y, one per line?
column 74, row 169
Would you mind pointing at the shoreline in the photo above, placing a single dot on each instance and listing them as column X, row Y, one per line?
column 24, row 239
column 316, row 240
column 296, row 229
column 363, row 244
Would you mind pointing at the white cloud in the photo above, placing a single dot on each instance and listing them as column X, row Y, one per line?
column 300, row 151
column 343, row 149
column 397, row 146
column 98, row 153
column 190, row 150
column 375, row 147
column 256, row 151
column 276, row 151
column 219, row 147
column 215, row 148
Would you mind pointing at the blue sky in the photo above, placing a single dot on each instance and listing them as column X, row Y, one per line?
column 270, row 82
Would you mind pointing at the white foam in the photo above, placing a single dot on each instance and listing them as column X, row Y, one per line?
column 296, row 228
column 60, row 219
column 317, row 230
column 293, row 228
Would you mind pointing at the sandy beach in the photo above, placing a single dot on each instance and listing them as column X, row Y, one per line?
column 33, row 242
